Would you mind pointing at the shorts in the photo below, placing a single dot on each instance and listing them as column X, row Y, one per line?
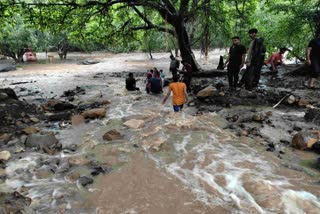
column 177, row 108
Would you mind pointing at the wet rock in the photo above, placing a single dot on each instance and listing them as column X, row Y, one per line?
column 42, row 141
column 271, row 147
column 79, row 161
column 303, row 102
column 6, row 68
column 77, row 120
column 3, row 96
column 89, row 62
column 73, row 176
column 303, row 141
column 64, row 167
column 19, row 150
column 313, row 115
column 285, row 142
column 243, row 133
column 112, row 135
column 246, row 94
column 70, row 148
column 94, row 113
column 30, row 130
column 134, row 123
column 269, row 113
column 296, row 128
column 154, row 145
column 84, row 181
column 34, row 119
column 5, row 155
column 206, row 92
column 14, row 202
column 100, row 169
column 60, row 116
column 258, row 117
column 4, row 138
column 77, row 90
column 9, row 92
column 291, row 99
column 43, row 173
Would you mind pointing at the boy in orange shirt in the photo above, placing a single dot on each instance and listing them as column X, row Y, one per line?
column 180, row 96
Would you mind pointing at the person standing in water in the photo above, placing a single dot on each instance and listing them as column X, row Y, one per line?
column 180, row 95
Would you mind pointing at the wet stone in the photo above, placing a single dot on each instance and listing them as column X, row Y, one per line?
column 84, row 181
column 206, row 92
column 60, row 116
column 41, row 141
column 134, row 124
column 5, row 155
column 94, row 113
column 77, row 120
column 112, row 135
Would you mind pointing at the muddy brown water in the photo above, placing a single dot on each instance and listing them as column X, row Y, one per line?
column 199, row 168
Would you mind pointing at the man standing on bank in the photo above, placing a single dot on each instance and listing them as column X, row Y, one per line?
column 313, row 59
column 255, row 60
column 235, row 61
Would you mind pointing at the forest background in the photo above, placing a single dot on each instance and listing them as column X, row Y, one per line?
column 154, row 25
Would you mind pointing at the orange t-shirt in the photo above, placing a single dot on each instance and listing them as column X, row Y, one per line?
column 277, row 57
column 178, row 89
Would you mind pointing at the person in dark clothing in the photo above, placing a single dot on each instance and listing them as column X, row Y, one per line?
column 313, row 59
column 174, row 65
column 155, row 83
column 187, row 74
column 131, row 83
column 254, row 61
column 235, row 61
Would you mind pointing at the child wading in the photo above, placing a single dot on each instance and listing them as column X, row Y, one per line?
column 180, row 96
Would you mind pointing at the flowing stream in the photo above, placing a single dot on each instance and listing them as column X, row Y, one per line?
column 221, row 172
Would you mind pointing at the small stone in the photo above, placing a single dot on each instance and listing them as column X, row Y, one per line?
column 291, row 99
column 5, row 137
column 303, row 102
column 112, row 135
column 94, row 113
column 84, row 181
column 43, row 173
column 19, row 150
column 243, row 133
column 79, row 161
column 30, row 130
column 34, row 119
column 258, row 117
column 73, row 176
column 269, row 113
column 5, row 155
column 77, row 120
column 221, row 94
column 134, row 124
column 298, row 141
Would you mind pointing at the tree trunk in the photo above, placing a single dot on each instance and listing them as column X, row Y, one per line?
column 184, row 44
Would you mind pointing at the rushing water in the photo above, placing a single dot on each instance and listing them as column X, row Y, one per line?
column 217, row 167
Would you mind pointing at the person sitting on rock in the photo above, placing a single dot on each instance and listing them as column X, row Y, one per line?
column 155, row 83
column 180, row 95
column 131, row 83
column 149, row 76
column 276, row 60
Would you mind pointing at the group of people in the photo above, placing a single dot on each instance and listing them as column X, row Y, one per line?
column 238, row 56
column 254, row 60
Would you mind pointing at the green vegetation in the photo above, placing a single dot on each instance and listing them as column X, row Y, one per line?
column 154, row 25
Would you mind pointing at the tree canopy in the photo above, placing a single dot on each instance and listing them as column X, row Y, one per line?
column 129, row 25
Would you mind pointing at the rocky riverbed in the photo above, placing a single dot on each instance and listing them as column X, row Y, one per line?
column 74, row 140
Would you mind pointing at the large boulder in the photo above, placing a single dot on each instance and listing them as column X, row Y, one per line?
column 94, row 113
column 206, row 92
